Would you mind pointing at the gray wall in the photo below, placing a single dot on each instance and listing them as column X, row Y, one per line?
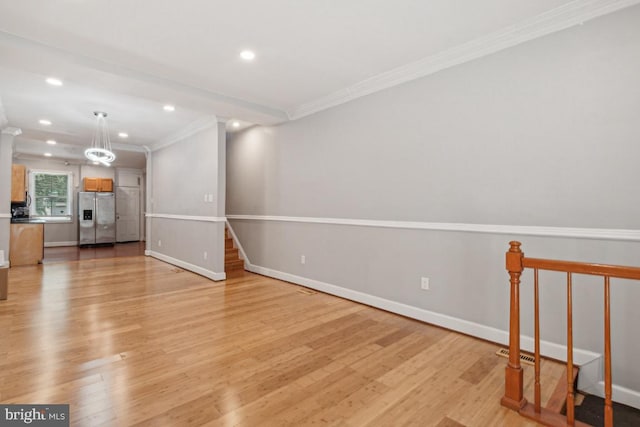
column 542, row 134
column 181, row 175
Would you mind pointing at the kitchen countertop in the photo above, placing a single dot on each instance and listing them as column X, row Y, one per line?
column 26, row 221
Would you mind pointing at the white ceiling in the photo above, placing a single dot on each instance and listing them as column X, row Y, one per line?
column 129, row 58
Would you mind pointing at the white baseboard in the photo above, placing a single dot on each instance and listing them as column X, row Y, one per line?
column 488, row 333
column 59, row 244
column 187, row 266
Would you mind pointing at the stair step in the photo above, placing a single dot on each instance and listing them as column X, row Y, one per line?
column 228, row 243
column 231, row 254
column 234, row 265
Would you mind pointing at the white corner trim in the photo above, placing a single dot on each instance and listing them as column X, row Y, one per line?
column 524, row 230
column 488, row 333
column 147, row 252
column 565, row 16
column 12, row 131
column 3, row 116
column 5, row 215
column 620, row 394
column 237, row 242
column 591, row 381
column 189, row 130
column 59, row 244
column 187, row 217
column 187, row 266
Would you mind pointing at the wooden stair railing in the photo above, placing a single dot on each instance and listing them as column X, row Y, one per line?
column 513, row 397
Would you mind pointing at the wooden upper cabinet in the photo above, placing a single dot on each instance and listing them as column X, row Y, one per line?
column 18, row 183
column 106, row 184
column 98, row 184
column 91, row 184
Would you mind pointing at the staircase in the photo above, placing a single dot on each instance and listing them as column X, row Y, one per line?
column 232, row 261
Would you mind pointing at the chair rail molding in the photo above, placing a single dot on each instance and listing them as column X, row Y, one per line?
column 524, row 230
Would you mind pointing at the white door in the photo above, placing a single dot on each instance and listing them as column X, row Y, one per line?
column 127, row 214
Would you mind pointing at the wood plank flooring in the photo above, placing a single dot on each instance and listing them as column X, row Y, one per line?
column 137, row 342
column 74, row 253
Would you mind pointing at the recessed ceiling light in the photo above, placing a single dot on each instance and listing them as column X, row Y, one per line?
column 47, row 154
column 44, row 122
column 53, row 81
column 247, row 55
column 123, row 135
column 235, row 124
column 51, row 142
column 169, row 107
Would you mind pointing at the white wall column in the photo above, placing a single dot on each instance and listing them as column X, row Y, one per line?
column 6, row 158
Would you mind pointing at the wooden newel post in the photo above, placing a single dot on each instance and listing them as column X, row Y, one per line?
column 513, row 390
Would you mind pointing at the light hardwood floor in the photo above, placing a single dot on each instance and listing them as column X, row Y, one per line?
column 135, row 341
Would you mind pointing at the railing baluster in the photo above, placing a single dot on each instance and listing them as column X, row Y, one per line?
column 537, row 339
column 608, row 409
column 570, row 397
column 513, row 397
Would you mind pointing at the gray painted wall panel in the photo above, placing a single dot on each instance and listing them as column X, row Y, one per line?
column 181, row 174
column 188, row 240
column 542, row 134
column 184, row 172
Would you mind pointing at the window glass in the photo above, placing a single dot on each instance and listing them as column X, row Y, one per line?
column 50, row 195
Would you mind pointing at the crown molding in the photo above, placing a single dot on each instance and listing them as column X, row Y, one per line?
column 191, row 129
column 563, row 17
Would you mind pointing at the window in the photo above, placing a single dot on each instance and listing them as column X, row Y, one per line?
column 50, row 195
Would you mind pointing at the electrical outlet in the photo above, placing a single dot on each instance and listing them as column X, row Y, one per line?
column 424, row 284
column 210, row 198
column 303, row 259
column 205, row 197
column 159, row 243
column 205, row 255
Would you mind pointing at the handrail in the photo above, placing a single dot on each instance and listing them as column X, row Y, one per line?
column 513, row 397
column 616, row 271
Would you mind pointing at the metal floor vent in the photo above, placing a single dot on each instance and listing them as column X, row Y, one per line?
column 524, row 358
column 305, row 291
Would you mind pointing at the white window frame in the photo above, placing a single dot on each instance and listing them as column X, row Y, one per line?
column 32, row 195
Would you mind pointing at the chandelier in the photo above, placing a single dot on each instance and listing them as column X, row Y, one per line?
column 100, row 151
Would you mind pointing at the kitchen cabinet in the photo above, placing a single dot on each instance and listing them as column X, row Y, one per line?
column 106, row 185
column 18, row 183
column 26, row 244
column 91, row 184
column 98, row 184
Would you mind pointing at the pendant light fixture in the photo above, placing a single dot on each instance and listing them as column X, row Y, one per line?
column 100, row 150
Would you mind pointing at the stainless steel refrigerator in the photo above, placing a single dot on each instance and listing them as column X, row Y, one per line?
column 96, row 218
